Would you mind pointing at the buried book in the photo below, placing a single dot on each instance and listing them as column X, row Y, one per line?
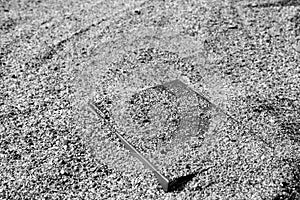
column 165, row 127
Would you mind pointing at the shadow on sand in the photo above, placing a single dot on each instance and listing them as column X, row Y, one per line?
column 282, row 3
column 178, row 184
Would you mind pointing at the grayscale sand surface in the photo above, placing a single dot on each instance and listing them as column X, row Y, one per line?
column 56, row 55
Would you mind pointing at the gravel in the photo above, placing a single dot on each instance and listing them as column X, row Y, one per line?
column 55, row 55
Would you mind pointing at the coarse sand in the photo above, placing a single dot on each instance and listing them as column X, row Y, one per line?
column 56, row 55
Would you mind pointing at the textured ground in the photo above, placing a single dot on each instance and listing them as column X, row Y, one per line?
column 54, row 55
